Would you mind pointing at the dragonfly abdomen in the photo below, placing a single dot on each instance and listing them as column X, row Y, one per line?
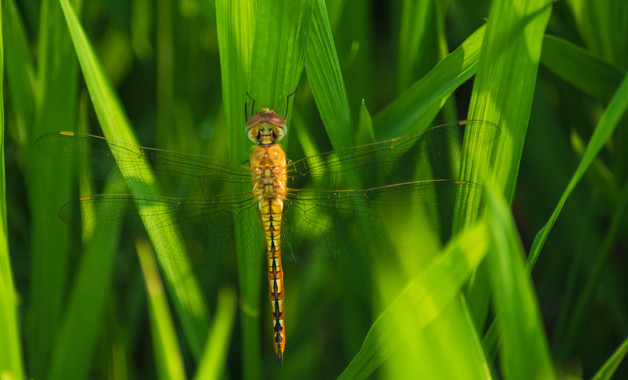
column 268, row 162
column 271, row 211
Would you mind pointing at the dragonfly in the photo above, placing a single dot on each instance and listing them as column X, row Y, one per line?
column 335, row 203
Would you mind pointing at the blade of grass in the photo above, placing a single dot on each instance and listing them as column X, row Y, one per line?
column 235, row 21
column 20, row 70
column 422, row 301
column 84, row 314
column 165, row 345
column 184, row 290
column 504, row 85
column 609, row 120
column 48, row 187
column 325, row 77
column 502, row 94
column 580, row 67
column 418, row 44
column 281, row 35
column 165, row 73
column 416, row 108
column 610, row 366
column 214, row 357
column 594, row 276
column 524, row 350
column 11, row 348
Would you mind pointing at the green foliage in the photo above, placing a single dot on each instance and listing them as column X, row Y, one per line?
column 531, row 286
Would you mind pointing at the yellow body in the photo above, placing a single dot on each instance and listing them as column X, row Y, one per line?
column 268, row 162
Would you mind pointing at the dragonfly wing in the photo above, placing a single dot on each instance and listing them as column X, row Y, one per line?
column 178, row 173
column 208, row 225
column 329, row 225
column 432, row 153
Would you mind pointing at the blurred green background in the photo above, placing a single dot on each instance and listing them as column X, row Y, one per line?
column 181, row 69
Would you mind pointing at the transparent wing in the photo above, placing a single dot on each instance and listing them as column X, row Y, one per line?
column 177, row 173
column 329, row 225
column 336, row 205
column 430, row 154
column 207, row 224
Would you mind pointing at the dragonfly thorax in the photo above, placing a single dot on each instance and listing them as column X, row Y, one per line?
column 266, row 127
column 269, row 172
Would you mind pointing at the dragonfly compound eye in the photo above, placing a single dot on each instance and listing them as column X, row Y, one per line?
column 266, row 127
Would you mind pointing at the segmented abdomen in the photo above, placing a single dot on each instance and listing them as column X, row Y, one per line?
column 271, row 210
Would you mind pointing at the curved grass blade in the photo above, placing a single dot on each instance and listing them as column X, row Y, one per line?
column 610, row 366
column 504, row 85
column 416, row 108
column 421, row 302
column 167, row 353
column 281, row 40
column 325, row 78
column 502, row 94
column 524, row 353
column 48, row 186
column 11, row 350
column 19, row 69
column 184, row 289
column 85, row 310
column 214, row 357
column 580, row 67
column 609, row 121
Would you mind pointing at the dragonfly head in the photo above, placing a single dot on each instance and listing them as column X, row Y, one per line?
column 266, row 127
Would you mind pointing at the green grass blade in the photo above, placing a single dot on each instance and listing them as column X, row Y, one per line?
column 184, row 290
column 49, row 187
column 418, row 44
column 504, row 85
column 586, row 295
column 165, row 345
column 416, row 108
column 610, row 366
column 611, row 117
column 281, row 36
column 325, row 77
column 11, row 350
column 85, row 311
column 20, row 70
column 214, row 357
column 524, row 350
column 365, row 133
column 502, row 93
column 580, row 67
column 421, row 302
column 235, row 21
